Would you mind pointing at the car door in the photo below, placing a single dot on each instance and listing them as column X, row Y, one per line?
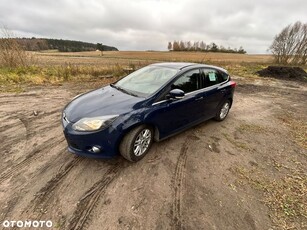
column 172, row 115
column 214, row 91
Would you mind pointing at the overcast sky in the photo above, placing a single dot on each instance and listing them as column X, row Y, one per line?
column 150, row 24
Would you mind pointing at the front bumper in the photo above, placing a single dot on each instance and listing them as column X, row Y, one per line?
column 81, row 143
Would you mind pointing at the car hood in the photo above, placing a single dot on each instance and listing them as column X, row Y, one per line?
column 100, row 102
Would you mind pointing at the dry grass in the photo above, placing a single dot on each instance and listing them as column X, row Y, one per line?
column 11, row 80
column 237, row 64
column 12, row 55
column 54, row 69
column 298, row 127
column 57, row 67
column 252, row 128
column 199, row 57
column 283, row 185
column 285, row 197
column 149, row 57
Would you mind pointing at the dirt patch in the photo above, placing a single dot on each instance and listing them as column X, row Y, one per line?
column 284, row 72
column 246, row 172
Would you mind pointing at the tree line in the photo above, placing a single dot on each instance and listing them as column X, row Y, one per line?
column 38, row 44
column 202, row 47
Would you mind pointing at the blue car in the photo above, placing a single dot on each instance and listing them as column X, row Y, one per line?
column 150, row 104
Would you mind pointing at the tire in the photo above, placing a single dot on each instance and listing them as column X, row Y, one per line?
column 223, row 111
column 135, row 144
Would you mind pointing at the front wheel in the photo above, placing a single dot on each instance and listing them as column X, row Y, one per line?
column 223, row 111
column 136, row 143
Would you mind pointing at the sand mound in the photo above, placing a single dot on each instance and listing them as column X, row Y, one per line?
column 284, row 72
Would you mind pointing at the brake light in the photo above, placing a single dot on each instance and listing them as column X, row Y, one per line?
column 233, row 84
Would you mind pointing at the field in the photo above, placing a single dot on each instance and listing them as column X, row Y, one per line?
column 247, row 172
column 124, row 57
column 52, row 67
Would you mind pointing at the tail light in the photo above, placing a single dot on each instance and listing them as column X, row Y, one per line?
column 232, row 84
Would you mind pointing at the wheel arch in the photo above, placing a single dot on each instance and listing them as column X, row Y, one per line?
column 223, row 101
column 230, row 100
column 128, row 129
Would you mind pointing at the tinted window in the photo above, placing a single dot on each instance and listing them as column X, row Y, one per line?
column 212, row 77
column 224, row 76
column 188, row 82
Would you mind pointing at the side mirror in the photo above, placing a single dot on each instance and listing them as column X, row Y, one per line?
column 176, row 94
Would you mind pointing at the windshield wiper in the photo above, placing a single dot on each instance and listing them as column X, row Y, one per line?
column 123, row 90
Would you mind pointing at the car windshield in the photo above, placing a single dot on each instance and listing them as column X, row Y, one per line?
column 146, row 81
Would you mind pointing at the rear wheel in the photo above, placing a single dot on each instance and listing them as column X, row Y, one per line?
column 223, row 111
column 136, row 143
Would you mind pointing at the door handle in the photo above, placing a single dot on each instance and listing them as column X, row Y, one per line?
column 199, row 98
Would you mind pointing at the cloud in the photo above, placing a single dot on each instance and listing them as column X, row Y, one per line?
column 150, row 24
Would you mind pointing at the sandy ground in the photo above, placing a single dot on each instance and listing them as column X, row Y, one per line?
column 185, row 182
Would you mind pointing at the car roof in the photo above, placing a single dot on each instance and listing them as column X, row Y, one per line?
column 182, row 65
column 175, row 65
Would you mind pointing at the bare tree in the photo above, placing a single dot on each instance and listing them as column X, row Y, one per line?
column 170, row 46
column 290, row 45
column 196, row 46
column 12, row 53
column 188, row 45
column 182, row 46
column 202, row 46
column 176, row 46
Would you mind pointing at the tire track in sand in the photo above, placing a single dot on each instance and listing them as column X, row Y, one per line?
column 178, row 184
column 35, row 132
column 90, row 199
column 41, row 201
column 34, row 155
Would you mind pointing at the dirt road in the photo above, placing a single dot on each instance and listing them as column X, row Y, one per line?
column 200, row 179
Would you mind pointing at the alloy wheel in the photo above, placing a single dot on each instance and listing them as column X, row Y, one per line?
column 224, row 110
column 142, row 142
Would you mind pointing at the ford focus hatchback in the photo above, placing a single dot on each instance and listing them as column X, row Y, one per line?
column 150, row 104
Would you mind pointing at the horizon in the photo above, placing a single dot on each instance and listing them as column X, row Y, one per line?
column 151, row 24
column 16, row 37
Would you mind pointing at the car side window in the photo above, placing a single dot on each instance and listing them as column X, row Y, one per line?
column 224, row 76
column 212, row 77
column 188, row 82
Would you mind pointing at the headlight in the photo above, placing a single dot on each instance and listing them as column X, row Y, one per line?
column 93, row 123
